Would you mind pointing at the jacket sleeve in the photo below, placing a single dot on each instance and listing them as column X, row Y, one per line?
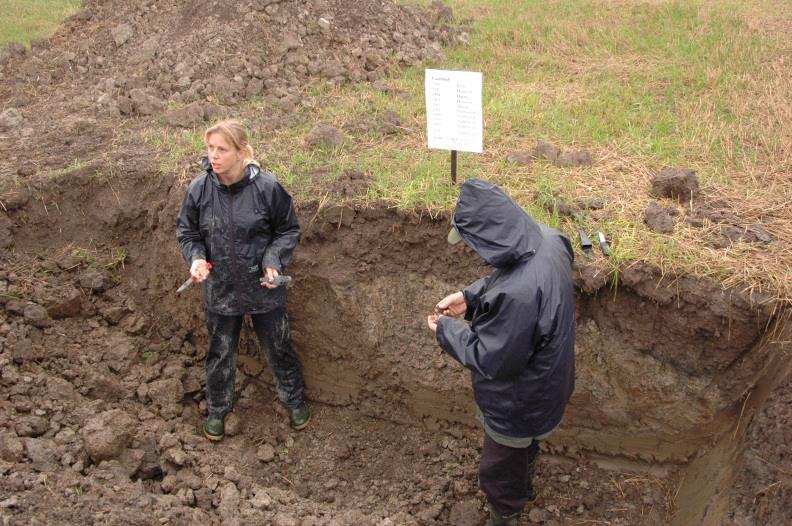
column 472, row 293
column 188, row 231
column 498, row 344
column 285, row 229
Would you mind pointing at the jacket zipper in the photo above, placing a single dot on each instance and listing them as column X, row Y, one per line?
column 232, row 240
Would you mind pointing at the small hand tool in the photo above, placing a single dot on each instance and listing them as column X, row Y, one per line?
column 184, row 286
column 585, row 243
column 278, row 280
column 603, row 244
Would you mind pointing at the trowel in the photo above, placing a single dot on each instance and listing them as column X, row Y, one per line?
column 585, row 243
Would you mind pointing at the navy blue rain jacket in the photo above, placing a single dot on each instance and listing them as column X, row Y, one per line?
column 241, row 229
column 520, row 343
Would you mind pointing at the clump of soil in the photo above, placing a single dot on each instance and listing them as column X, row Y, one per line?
column 659, row 218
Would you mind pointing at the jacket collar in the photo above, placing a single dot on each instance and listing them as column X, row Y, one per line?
column 251, row 171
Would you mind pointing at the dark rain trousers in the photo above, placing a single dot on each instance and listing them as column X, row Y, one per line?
column 272, row 330
column 506, row 475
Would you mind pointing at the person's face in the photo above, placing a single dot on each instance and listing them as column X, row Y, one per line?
column 225, row 159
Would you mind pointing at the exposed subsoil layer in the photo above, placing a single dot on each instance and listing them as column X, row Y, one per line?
column 681, row 412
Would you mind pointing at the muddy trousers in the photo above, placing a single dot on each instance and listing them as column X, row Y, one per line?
column 506, row 475
column 272, row 330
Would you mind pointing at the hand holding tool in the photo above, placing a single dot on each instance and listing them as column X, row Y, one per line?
column 184, row 286
column 278, row 280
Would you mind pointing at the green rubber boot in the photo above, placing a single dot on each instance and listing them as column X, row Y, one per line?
column 214, row 429
column 496, row 519
column 298, row 418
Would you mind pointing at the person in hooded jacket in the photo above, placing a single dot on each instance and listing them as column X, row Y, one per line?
column 519, row 344
column 236, row 226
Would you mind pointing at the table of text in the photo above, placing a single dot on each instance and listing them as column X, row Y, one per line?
column 453, row 110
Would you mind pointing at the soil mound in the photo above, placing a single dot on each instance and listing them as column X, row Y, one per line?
column 187, row 50
column 63, row 99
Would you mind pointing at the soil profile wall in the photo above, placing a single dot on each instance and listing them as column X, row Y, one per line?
column 665, row 367
column 660, row 363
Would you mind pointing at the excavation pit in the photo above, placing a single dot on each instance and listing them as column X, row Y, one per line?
column 104, row 391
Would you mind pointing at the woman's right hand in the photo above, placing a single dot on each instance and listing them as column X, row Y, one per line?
column 452, row 305
column 199, row 270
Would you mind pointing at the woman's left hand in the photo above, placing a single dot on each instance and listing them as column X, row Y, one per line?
column 270, row 273
column 431, row 321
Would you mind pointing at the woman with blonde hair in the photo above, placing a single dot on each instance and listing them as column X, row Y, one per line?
column 237, row 230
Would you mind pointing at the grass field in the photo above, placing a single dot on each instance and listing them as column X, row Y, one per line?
column 642, row 85
column 24, row 20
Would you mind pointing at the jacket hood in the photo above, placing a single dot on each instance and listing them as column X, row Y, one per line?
column 493, row 225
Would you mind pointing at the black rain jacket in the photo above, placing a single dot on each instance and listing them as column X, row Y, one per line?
column 520, row 343
column 240, row 229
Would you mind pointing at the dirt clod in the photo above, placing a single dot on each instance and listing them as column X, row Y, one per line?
column 574, row 158
column 466, row 513
column 121, row 34
column 10, row 119
column 11, row 448
column 659, row 218
column 37, row 316
column 94, row 280
column 16, row 198
column 189, row 116
column 325, row 136
column 521, row 157
column 265, row 453
column 107, row 434
column 675, row 183
column 546, row 151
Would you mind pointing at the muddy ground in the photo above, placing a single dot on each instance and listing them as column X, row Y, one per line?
column 681, row 412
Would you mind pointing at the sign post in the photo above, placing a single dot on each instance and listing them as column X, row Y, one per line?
column 453, row 166
column 454, row 118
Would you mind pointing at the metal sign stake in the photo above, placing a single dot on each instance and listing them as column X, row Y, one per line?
column 453, row 166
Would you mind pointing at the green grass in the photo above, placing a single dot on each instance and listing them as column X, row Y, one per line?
column 641, row 85
column 24, row 20
column 648, row 79
column 73, row 166
column 174, row 147
column 667, row 84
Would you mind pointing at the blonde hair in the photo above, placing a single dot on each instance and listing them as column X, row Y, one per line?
column 235, row 133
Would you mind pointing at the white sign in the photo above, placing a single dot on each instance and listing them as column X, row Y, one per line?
column 453, row 110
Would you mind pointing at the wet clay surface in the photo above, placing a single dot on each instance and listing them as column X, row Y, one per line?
column 102, row 364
